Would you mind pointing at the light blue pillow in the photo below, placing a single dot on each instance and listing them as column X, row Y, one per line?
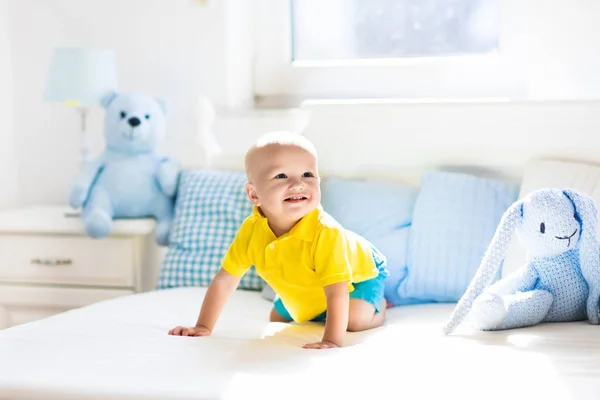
column 379, row 211
column 211, row 206
column 455, row 217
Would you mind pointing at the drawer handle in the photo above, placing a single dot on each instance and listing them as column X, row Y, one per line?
column 51, row 262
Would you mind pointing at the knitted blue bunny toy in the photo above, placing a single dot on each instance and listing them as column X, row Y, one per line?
column 561, row 280
column 130, row 179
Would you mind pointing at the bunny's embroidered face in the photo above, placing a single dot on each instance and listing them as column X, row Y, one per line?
column 134, row 123
column 549, row 224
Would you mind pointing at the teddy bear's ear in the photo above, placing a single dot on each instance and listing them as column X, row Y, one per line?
column 108, row 98
column 163, row 105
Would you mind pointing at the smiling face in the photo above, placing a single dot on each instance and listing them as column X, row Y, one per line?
column 283, row 181
column 134, row 123
column 549, row 233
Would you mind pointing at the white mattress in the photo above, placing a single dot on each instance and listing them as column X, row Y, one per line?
column 119, row 349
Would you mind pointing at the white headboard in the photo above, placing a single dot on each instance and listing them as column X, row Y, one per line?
column 395, row 140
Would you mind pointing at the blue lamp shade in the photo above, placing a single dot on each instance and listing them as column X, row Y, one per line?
column 81, row 76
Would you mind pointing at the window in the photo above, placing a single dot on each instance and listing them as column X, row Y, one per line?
column 410, row 49
column 363, row 29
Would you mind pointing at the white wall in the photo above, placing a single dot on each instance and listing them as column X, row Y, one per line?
column 8, row 159
column 396, row 140
column 177, row 49
column 180, row 49
column 486, row 139
column 557, row 44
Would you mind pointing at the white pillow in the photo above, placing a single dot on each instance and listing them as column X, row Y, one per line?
column 539, row 174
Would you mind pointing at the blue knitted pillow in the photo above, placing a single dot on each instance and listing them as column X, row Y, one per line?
column 211, row 206
column 454, row 220
column 379, row 211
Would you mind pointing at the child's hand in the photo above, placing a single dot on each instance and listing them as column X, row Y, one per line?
column 321, row 345
column 184, row 331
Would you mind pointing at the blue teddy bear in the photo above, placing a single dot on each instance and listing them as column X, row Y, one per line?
column 130, row 179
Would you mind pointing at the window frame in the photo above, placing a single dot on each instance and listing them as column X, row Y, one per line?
column 279, row 81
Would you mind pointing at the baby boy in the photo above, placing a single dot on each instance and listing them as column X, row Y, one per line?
column 319, row 270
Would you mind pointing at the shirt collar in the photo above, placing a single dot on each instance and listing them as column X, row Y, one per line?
column 304, row 229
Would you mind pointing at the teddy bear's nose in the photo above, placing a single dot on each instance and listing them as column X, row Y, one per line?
column 134, row 121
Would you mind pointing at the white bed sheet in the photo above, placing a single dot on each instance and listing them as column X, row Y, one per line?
column 119, row 349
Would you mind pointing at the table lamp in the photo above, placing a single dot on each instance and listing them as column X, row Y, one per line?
column 80, row 77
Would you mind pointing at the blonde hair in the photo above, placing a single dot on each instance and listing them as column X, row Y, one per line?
column 286, row 138
column 282, row 138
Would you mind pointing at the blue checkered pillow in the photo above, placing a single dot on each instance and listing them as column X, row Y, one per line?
column 211, row 206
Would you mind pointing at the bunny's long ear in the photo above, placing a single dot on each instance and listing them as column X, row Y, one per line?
column 489, row 265
column 589, row 249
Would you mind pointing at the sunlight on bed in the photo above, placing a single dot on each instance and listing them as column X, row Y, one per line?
column 495, row 377
column 273, row 328
column 418, row 357
column 522, row 340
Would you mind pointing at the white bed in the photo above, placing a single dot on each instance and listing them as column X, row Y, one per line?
column 119, row 349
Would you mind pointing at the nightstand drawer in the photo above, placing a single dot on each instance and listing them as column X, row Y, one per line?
column 67, row 260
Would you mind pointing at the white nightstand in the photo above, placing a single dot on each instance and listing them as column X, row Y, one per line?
column 48, row 264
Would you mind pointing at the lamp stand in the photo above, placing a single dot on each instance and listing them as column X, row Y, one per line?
column 86, row 151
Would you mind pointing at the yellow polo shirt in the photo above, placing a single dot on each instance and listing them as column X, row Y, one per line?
column 317, row 252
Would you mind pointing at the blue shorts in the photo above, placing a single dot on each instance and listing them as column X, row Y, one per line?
column 370, row 290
